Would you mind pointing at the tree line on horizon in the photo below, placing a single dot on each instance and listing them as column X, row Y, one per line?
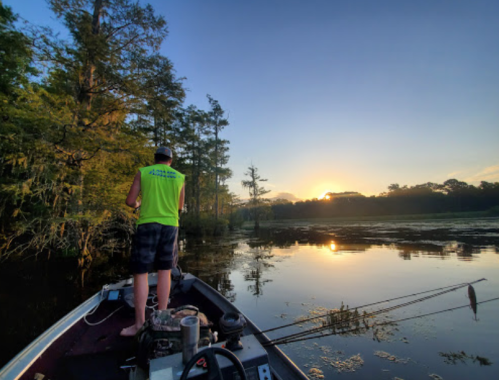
column 452, row 196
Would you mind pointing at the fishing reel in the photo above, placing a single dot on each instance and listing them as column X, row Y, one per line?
column 232, row 326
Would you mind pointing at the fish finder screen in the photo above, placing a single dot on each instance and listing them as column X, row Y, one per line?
column 113, row 295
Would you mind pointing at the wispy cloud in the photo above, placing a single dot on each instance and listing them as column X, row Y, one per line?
column 455, row 174
column 489, row 174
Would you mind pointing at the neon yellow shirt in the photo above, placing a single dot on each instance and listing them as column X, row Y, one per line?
column 160, row 186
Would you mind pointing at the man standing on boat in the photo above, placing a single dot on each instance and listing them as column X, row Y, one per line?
column 155, row 243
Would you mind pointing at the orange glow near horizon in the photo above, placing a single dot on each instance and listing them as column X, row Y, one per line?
column 332, row 246
column 324, row 196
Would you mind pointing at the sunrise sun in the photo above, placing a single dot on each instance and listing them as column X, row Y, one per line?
column 326, row 195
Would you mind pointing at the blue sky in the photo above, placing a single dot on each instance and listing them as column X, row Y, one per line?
column 341, row 95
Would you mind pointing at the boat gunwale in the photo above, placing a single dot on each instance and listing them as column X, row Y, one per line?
column 16, row 367
column 20, row 363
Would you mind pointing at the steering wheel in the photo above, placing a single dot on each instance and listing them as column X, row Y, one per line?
column 214, row 372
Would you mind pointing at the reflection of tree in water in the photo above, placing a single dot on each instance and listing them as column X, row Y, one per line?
column 431, row 239
column 463, row 357
column 222, row 283
column 211, row 261
column 463, row 252
column 286, row 237
column 260, row 254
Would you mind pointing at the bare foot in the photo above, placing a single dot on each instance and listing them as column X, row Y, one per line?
column 130, row 331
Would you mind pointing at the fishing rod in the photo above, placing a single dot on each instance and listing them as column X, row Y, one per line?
column 341, row 322
column 456, row 286
column 284, row 340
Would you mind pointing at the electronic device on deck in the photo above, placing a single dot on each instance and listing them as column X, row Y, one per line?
column 121, row 295
column 114, row 295
column 253, row 357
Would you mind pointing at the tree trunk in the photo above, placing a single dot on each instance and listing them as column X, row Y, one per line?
column 198, row 185
column 156, row 137
column 216, row 171
column 88, row 80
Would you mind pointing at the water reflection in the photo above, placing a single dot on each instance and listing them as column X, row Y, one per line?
column 463, row 357
column 462, row 238
column 463, row 252
column 346, row 248
column 260, row 256
column 212, row 261
column 283, row 270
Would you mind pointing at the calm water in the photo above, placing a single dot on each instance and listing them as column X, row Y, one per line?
column 276, row 283
column 293, row 281
column 276, row 286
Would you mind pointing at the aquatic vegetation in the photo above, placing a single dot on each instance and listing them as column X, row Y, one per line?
column 482, row 361
column 343, row 321
column 463, row 357
column 316, row 373
column 350, row 364
column 390, row 357
column 336, row 359
column 413, row 238
column 434, row 376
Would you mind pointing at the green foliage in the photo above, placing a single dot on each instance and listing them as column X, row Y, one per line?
column 15, row 54
column 75, row 132
column 202, row 156
column 236, row 220
column 205, row 225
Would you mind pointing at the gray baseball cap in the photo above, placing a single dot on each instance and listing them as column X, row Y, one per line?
column 164, row 151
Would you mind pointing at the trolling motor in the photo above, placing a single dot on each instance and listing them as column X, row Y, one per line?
column 232, row 326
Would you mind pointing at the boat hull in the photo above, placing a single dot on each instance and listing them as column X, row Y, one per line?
column 72, row 345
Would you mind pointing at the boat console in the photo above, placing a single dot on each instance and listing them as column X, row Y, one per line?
column 252, row 356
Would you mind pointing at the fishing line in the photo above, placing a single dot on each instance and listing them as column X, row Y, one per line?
column 457, row 286
column 369, row 315
column 286, row 341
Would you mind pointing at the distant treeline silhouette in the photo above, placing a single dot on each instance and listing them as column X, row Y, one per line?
column 429, row 198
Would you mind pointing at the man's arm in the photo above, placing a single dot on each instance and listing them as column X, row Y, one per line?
column 181, row 199
column 133, row 194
